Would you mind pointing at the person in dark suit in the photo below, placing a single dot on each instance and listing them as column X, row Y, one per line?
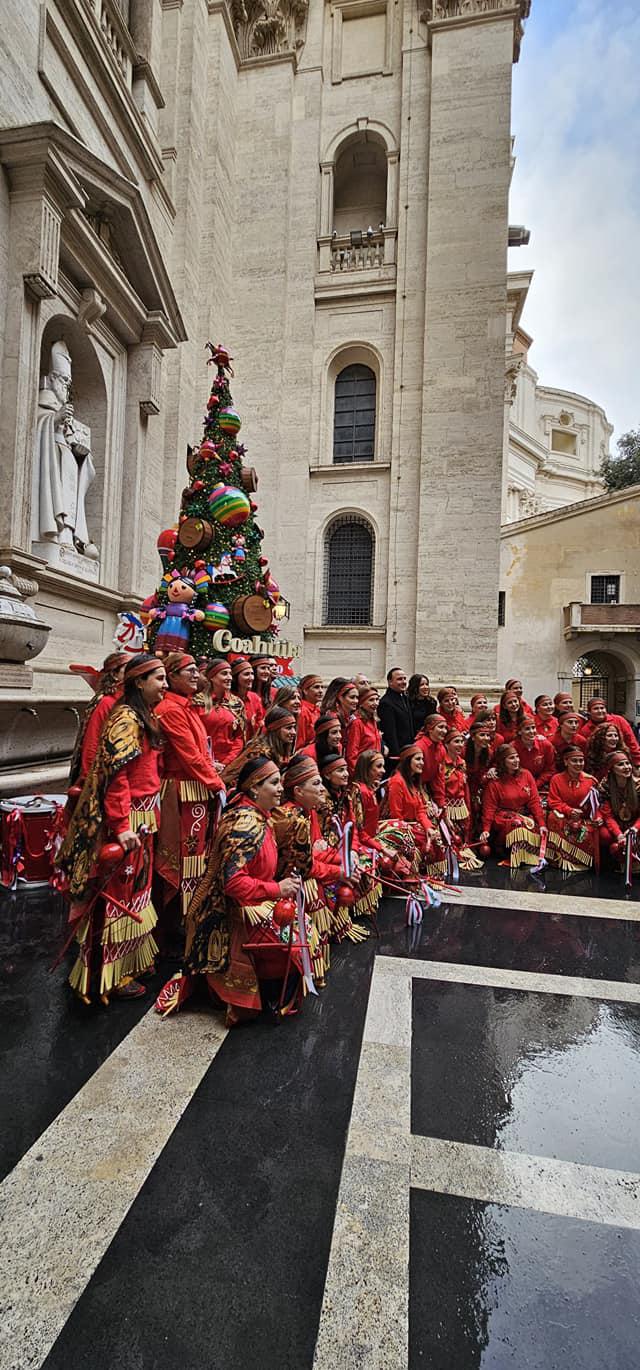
column 394, row 712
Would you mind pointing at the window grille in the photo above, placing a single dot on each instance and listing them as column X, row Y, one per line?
column 348, row 572
column 502, row 607
column 605, row 589
column 354, row 422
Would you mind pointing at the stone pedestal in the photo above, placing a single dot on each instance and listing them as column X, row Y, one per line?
column 67, row 558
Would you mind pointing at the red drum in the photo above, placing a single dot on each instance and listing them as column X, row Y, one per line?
column 27, row 825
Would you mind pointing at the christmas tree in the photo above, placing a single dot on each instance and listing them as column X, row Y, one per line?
column 215, row 575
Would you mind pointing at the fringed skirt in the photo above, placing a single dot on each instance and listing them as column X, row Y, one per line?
column 110, row 942
column 569, row 848
column 186, row 828
column 258, row 950
column 522, row 843
column 459, row 821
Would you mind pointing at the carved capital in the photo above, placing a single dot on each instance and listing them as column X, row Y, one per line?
column 264, row 28
column 442, row 13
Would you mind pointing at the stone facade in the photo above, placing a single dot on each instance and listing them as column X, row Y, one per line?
column 571, row 581
column 556, row 440
column 320, row 184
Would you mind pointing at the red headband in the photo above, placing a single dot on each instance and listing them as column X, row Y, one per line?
column 330, row 766
column 183, row 660
column 300, row 770
column 143, row 668
column 276, row 723
column 216, row 667
column 348, row 685
column 239, row 664
column 412, row 750
column 320, row 728
column 262, row 772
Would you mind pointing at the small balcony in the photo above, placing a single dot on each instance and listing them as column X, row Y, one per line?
column 605, row 619
column 364, row 260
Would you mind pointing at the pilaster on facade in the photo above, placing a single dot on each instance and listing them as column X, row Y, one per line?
column 447, row 14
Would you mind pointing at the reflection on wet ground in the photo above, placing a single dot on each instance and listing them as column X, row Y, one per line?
column 598, row 948
column 587, row 885
column 497, row 1288
column 551, row 1075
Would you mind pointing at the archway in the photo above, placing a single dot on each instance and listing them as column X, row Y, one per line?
column 604, row 673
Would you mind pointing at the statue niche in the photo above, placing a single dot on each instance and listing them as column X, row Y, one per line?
column 63, row 471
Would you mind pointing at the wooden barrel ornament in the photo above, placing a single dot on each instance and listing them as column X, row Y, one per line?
column 249, row 479
column 196, row 534
column 252, row 614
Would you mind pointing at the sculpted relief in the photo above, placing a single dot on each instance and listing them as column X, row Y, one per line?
column 63, row 467
column 264, row 27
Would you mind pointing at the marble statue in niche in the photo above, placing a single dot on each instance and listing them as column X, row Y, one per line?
column 63, row 471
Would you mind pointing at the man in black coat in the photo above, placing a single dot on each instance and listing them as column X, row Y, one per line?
column 394, row 712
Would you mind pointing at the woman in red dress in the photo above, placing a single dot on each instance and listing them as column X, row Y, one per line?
column 327, row 739
column 311, row 692
column 449, row 709
column 620, row 809
column 604, row 741
column 479, row 759
column 277, row 741
column 509, row 714
column 225, row 722
column 407, row 800
column 457, row 809
column 512, row 815
column 117, row 813
column 333, row 820
column 573, row 829
column 568, row 729
column 297, row 832
column 263, row 680
column 477, row 704
column 108, row 691
column 345, row 707
column 234, row 901
column 242, row 687
column 389, row 836
column 515, row 686
column 545, row 718
column 190, row 788
column 431, row 744
column 363, row 734
column 536, row 754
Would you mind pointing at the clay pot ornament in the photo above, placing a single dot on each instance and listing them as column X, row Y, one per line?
column 484, row 850
column 345, row 895
column 109, row 853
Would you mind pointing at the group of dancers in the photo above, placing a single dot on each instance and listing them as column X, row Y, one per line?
column 246, row 822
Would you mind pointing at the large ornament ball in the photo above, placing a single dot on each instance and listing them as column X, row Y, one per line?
column 216, row 616
column 345, row 895
column 284, row 912
column 208, row 449
column 229, row 506
column 229, row 420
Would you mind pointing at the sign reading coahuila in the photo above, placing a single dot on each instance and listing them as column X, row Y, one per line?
column 223, row 641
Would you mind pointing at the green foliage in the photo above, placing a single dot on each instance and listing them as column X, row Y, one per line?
column 224, row 466
column 623, row 470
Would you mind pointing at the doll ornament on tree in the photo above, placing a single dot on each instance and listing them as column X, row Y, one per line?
column 175, row 618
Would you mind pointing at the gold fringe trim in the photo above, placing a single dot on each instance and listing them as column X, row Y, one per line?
column 193, row 866
column 523, row 845
column 343, row 927
column 193, row 791
column 571, row 857
column 256, row 914
column 367, row 904
column 143, row 818
column 457, row 811
column 435, row 868
column 119, row 931
column 468, row 861
column 136, row 961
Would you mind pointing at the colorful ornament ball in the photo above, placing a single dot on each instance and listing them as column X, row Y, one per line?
column 216, row 616
column 229, row 420
column 228, row 506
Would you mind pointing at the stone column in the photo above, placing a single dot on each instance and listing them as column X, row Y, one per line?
column 464, row 358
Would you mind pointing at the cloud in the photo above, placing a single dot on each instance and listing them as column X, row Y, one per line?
column 576, row 118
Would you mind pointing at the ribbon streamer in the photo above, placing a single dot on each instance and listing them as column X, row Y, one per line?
column 345, row 835
column 413, row 911
column 628, row 857
column 453, row 868
column 307, row 971
column 535, row 870
column 13, row 850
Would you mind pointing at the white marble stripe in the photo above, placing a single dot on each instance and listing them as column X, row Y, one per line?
column 507, row 1177
column 529, row 901
column 65, row 1200
column 365, row 1311
column 397, row 967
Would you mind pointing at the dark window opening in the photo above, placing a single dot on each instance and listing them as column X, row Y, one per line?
column 354, row 421
column 348, row 572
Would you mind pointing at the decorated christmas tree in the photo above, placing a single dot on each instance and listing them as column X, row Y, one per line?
column 215, row 575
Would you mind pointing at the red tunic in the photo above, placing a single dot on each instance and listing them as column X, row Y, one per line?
column 186, row 751
column 456, row 787
column 433, row 771
column 566, row 794
column 546, row 727
column 508, row 731
column 225, row 731
column 370, row 810
column 254, row 711
column 138, row 779
column 306, row 719
column 363, row 735
column 514, row 794
column 92, row 733
column 455, row 720
column 539, row 759
column 626, row 733
column 612, row 824
column 408, row 804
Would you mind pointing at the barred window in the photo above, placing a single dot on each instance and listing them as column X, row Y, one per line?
column 354, row 423
column 348, row 571
column 605, row 589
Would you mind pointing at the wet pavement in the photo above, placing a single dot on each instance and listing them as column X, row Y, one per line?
column 445, row 1141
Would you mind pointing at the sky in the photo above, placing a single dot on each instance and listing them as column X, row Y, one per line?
column 576, row 186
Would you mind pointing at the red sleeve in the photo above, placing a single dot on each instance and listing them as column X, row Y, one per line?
column 630, row 740
column 196, row 762
column 117, row 802
column 93, row 730
column 247, row 889
column 537, row 810
column 435, row 786
column 306, row 731
column 555, row 799
column 582, row 740
column 354, row 741
column 326, row 865
column 395, row 801
column 606, row 812
column 548, row 763
column 490, row 804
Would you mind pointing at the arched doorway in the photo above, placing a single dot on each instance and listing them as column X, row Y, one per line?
column 604, row 674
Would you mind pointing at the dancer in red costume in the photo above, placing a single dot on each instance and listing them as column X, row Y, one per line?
column 242, row 679
column 311, row 692
column 573, row 825
column 225, row 722
column 512, row 815
column 363, row 734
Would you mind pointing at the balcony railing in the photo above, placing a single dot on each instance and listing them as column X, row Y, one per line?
column 350, row 253
column 600, row 618
column 112, row 19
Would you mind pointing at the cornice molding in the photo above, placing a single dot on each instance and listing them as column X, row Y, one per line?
column 449, row 14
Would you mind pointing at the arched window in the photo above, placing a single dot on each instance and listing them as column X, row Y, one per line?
column 354, row 421
column 348, row 571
